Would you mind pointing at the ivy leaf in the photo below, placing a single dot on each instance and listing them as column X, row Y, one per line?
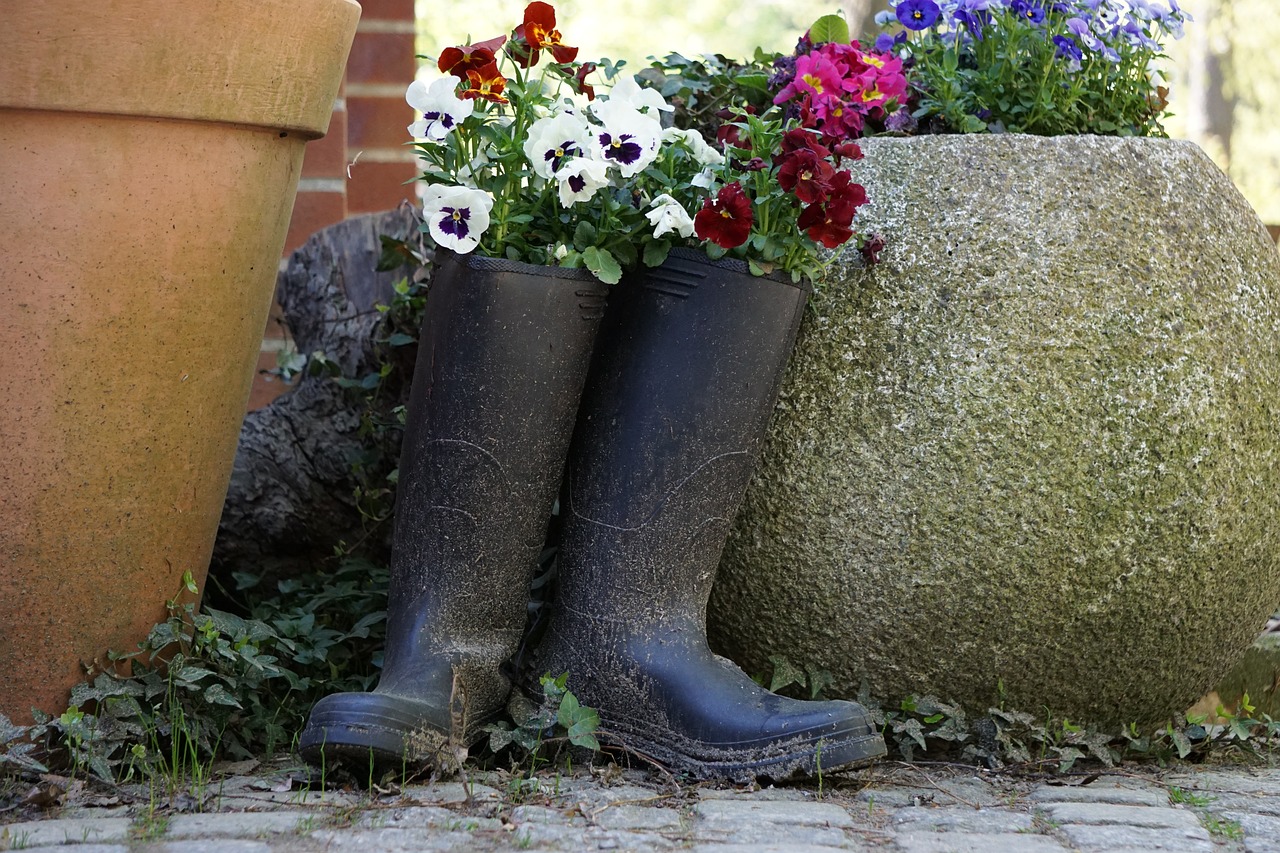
column 602, row 265
column 831, row 28
column 785, row 673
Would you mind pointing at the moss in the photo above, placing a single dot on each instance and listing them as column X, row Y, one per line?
column 1035, row 446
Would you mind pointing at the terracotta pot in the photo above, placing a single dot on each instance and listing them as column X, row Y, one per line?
column 149, row 156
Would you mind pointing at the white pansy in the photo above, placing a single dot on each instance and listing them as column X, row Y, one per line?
column 555, row 140
column 629, row 139
column 627, row 92
column 442, row 110
column 692, row 139
column 580, row 178
column 667, row 216
column 456, row 216
column 705, row 179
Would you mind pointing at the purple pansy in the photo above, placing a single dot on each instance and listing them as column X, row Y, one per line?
column 917, row 14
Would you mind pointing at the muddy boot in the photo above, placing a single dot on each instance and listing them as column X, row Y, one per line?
column 502, row 359
column 686, row 372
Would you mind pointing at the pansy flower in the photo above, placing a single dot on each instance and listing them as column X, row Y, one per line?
column 628, row 139
column 579, row 179
column 554, row 140
column 442, row 110
column 668, row 216
column 627, row 92
column 1031, row 12
column 539, row 31
column 486, row 82
column 693, row 141
column 726, row 219
column 804, row 174
column 917, row 14
column 456, row 216
column 463, row 58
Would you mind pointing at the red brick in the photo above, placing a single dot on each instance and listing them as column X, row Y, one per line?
column 375, row 187
column 387, row 10
column 327, row 157
column 381, row 58
column 377, row 123
column 311, row 212
column 265, row 386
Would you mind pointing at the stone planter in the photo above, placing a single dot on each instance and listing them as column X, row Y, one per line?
column 1036, row 447
column 149, row 155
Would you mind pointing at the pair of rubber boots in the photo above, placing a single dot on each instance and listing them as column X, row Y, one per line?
column 666, row 396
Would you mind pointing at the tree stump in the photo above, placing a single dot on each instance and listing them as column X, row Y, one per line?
column 293, row 493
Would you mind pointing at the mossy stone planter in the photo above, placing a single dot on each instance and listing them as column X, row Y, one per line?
column 149, row 156
column 1036, row 447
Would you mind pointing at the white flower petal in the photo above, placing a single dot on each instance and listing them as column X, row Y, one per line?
column 456, row 216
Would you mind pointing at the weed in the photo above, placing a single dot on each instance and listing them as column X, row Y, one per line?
column 149, row 826
column 1229, row 829
column 1177, row 795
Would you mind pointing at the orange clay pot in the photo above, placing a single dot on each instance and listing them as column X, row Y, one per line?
column 149, row 157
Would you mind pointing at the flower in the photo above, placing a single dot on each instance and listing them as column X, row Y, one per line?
column 628, row 137
column 456, row 216
column 486, row 82
column 463, row 58
column 629, row 93
column 917, row 14
column 697, row 146
column 442, row 110
column 555, row 139
column 1029, row 66
column 668, row 216
column 580, row 178
column 539, row 31
column 726, row 219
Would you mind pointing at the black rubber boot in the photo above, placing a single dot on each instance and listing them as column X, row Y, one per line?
column 502, row 358
column 686, row 372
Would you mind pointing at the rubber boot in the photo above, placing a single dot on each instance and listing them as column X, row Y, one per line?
column 502, row 358
column 687, row 370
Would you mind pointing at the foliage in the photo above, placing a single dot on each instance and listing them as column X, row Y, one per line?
column 558, row 719
column 213, row 684
column 1046, row 67
column 926, row 727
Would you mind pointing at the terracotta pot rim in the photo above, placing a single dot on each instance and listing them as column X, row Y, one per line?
column 260, row 63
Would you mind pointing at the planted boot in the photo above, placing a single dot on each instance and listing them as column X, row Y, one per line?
column 686, row 372
column 502, row 359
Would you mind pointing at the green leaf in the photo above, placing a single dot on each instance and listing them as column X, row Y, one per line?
column 656, row 252
column 785, row 673
column 829, row 28
column 602, row 265
column 584, row 235
column 400, row 339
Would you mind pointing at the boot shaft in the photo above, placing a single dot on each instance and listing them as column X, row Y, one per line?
column 687, row 370
column 502, row 358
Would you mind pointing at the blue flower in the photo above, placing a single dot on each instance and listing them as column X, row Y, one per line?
column 1068, row 49
column 917, row 14
column 973, row 15
column 1028, row 11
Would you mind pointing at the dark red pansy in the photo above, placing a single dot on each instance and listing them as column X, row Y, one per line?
column 539, row 30
column 485, row 82
column 726, row 219
column 466, row 57
column 804, row 174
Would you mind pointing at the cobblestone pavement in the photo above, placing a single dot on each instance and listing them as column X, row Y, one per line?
column 891, row 807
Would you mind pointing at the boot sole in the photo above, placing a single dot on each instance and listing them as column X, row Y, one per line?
column 778, row 761
column 369, row 731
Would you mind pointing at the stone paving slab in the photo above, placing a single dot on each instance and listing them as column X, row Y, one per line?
column 892, row 808
column 1108, row 813
column 976, row 842
column 1112, row 838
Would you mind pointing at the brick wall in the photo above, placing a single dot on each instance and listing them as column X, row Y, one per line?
column 361, row 165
